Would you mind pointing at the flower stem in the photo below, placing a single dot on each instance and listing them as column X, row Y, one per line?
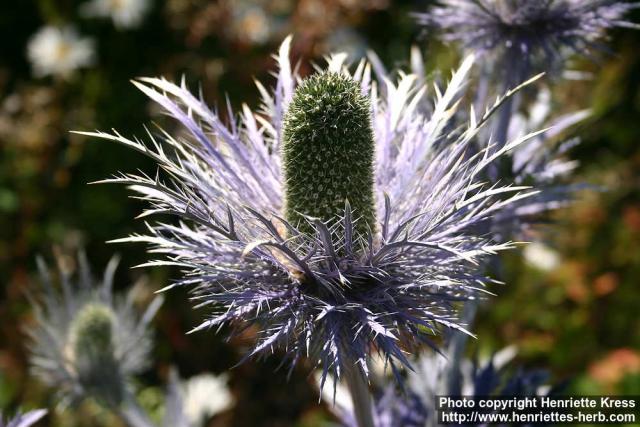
column 501, row 130
column 359, row 390
column 504, row 120
column 456, row 350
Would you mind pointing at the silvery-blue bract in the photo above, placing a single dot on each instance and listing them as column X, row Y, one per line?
column 23, row 420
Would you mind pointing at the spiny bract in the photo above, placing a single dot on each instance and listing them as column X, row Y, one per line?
column 23, row 420
column 328, row 152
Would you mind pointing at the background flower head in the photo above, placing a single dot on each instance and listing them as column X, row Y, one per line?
column 58, row 51
column 191, row 402
column 86, row 341
column 204, row 396
column 527, row 36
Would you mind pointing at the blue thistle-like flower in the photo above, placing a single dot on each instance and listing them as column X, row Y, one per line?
column 527, row 36
column 23, row 420
column 333, row 293
column 518, row 38
column 85, row 341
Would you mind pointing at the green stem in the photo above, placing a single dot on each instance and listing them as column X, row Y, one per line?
column 359, row 390
column 456, row 349
column 501, row 133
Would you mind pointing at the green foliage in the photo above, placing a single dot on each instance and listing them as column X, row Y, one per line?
column 328, row 152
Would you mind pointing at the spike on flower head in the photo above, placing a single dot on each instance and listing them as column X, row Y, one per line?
column 328, row 152
column 22, row 420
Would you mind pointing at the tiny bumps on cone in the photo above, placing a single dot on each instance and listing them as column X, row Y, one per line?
column 92, row 330
column 328, row 153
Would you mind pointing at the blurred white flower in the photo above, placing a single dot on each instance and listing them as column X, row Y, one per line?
column 251, row 23
column 59, row 51
column 541, row 256
column 204, row 396
column 124, row 13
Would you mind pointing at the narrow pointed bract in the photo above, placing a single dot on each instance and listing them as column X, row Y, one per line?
column 23, row 420
column 328, row 292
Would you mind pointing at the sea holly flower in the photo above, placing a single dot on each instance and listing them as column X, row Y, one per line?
column 86, row 341
column 379, row 272
column 525, row 36
column 518, row 38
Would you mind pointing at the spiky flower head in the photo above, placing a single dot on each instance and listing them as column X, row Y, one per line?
column 334, row 295
column 85, row 341
column 23, row 420
column 328, row 152
column 527, row 36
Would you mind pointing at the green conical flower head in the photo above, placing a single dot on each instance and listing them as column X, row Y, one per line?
column 93, row 350
column 92, row 330
column 328, row 152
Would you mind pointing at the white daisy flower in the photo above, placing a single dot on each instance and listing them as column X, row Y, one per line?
column 205, row 396
column 541, row 256
column 58, row 51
